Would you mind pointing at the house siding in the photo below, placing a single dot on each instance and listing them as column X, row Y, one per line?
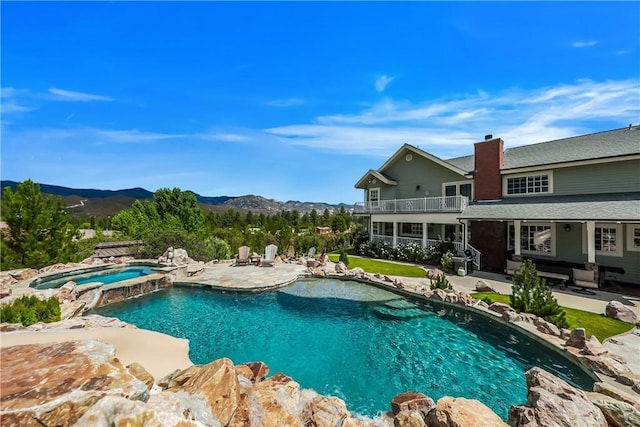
column 418, row 172
column 612, row 177
column 569, row 248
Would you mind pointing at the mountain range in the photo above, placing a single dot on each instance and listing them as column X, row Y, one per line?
column 93, row 202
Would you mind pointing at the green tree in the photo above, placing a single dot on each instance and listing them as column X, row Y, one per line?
column 181, row 205
column 338, row 223
column 39, row 232
column 326, row 217
column 530, row 294
column 314, row 217
column 136, row 221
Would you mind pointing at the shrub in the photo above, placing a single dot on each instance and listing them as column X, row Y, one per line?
column 29, row 310
column 344, row 257
column 447, row 261
column 411, row 252
column 218, row 248
column 441, row 282
column 531, row 294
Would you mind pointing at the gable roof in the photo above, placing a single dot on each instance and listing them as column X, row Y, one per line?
column 596, row 146
column 424, row 154
column 374, row 174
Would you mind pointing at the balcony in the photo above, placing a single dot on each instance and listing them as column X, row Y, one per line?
column 423, row 204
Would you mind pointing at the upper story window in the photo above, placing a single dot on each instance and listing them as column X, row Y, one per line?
column 463, row 188
column 374, row 196
column 538, row 183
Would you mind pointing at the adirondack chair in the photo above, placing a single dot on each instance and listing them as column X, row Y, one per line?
column 269, row 256
column 243, row 257
column 312, row 253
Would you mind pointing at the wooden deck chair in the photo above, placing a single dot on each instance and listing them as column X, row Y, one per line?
column 269, row 256
column 243, row 257
column 312, row 253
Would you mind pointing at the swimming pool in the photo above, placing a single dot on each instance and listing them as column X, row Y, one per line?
column 360, row 343
column 109, row 275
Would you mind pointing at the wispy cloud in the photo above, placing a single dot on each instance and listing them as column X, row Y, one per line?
column 225, row 137
column 13, row 102
column 288, row 102
column 444, row 125
column 623, row 52
column 580, row 44
column 382, row 82
column 68, row 95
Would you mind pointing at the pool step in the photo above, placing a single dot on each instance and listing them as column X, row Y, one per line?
column 386, row 312
column 400, row 304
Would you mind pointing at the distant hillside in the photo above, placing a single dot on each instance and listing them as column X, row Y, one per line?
column 92, row 202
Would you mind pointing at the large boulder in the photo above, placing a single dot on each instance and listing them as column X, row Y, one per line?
column 483, row 286
column 323, row 411
column 616, row 412
column 118, row 411
column 619, row 311
column 461, row 412
column 410, row 401
column 55, row 384
column 593, row 347
column 409, row 418
column 272, row 402
column 551, row 402
column 340, row 268
column 577, row 338
column 500, row 307
column 217, row 383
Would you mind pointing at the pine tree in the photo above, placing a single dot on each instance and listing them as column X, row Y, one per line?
column 39, row 231
column 531, row 294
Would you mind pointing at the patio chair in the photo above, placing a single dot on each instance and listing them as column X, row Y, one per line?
column 312, row 253
column 243, row 257
column 310, row 259
column 269, row 256
column 583, row 279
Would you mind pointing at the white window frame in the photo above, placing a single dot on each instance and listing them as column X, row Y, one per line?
column 619, row 239
column 375, row 227
column 369, row 191
column 505, row 180
column 631, row 228
column 551, row 225
column 457, row 185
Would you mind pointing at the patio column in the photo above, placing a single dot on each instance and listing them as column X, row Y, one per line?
column 516, row 238
column 370, row 228
column 425, row 227
column 395, row 234
column 465, row 227
column 591, row 242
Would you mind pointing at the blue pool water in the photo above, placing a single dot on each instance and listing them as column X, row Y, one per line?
column 354, row 341
column 105, row 276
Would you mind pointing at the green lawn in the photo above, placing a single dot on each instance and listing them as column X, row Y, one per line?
column 594, row 324
column 382, row 267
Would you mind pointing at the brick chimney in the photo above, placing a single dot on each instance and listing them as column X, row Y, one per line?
column 489, row 159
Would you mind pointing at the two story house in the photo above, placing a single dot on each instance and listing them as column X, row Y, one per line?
column 572, row 202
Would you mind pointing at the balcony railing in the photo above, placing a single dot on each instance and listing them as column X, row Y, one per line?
column 422, row 204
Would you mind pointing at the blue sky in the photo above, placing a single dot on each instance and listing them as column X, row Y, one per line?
column 296, row 101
